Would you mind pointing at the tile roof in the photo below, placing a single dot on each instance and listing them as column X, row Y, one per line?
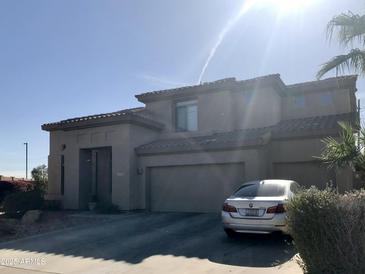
column 232, row 83
column 312, row 125
column 210, row 86
column 120, row 115
column 318, row 125
column 225, row 140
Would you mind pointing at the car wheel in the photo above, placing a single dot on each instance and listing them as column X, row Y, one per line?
column 230, row 233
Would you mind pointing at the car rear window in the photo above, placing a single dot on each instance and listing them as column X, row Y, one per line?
column 260, row 190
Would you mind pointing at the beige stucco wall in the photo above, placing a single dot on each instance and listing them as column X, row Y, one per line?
column 295, row 150
column 342, row 103
column 215, row 111
column 222, row 110
column 161, row 111
column 227, row 110
column 263, row 109
column 303, row 152
column 137, row 136
column 118, row 137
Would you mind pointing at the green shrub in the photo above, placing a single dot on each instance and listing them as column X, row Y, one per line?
column 9, row 186
column 328, row 230
column 16, row 204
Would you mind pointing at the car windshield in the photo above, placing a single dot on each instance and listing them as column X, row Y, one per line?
column 260, row 190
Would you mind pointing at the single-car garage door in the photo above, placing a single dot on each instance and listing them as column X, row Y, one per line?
column 305, row 173
column 192, row 188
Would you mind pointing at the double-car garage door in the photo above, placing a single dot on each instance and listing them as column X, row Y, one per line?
column 192, row 188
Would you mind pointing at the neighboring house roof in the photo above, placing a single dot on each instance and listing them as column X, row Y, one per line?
column 318, row 125
column 273, row 80
column 122, row 116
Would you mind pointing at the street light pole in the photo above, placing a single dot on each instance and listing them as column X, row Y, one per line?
column 26, row 160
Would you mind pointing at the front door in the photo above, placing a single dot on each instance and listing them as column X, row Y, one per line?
column 95, row 176
column 101, row 175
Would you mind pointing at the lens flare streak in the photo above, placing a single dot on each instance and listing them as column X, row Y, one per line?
column 231, row 23
column 282, row 7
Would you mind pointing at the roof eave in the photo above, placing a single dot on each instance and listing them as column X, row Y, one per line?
column 194, row 90
column 195, row 149
column 230, row 84
column 129, row 119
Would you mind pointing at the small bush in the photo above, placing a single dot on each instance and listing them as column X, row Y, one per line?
column 16, row 204
column 7, row 187
column 329, row 230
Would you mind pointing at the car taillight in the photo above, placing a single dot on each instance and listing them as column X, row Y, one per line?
column 276, row 209
column 228, row 208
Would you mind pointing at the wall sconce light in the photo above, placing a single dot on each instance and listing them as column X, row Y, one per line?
column 140, row 170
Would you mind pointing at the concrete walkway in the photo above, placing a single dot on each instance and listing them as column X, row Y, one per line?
column 148, row 243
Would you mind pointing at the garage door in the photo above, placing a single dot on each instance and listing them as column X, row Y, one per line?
column 192, row 188
column 306, row 174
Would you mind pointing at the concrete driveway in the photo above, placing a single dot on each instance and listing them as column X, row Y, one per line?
column 148, row 243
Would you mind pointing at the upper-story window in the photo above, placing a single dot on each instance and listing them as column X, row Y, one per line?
column 187, row 116
column 326, row 99
column 299, row 101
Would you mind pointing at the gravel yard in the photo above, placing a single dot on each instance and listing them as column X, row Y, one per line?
column 51, row 221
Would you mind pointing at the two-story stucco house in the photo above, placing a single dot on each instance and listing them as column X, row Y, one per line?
column 189, row 148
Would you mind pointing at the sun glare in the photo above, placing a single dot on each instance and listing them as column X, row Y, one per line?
column 282, row 8
column 291, row 5
column 281, row 5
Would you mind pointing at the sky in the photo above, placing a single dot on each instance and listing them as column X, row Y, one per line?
column 63, row 59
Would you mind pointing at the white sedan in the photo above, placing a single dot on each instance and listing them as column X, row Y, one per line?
column 258, row 207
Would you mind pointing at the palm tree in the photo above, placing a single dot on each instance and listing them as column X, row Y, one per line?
column 350, row 29
column 348, row 151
